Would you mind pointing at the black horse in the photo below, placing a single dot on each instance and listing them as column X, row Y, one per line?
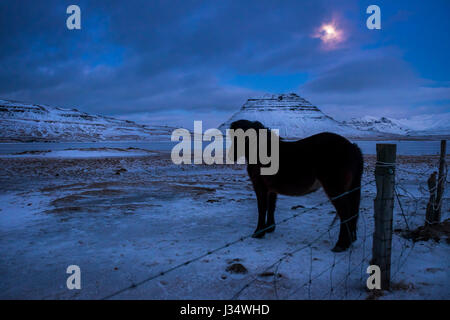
column 323, row 160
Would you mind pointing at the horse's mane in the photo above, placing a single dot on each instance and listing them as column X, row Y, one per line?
column 247, row 124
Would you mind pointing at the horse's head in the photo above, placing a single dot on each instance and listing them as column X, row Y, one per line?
column 246, row 124
column 244, row 139
column 256, row 143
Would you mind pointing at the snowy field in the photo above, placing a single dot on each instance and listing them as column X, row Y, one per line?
column 124, row 216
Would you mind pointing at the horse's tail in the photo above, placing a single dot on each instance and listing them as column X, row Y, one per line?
column 359, row 159
column 356, row 166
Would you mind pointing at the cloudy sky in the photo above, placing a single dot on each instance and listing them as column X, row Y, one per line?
column 170, row 62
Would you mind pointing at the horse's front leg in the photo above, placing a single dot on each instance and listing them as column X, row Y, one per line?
column 272, row 201
column 261, row 196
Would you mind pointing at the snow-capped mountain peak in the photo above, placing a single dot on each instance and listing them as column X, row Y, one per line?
column 421, row 125
column 292, row 115
column 379, row 124
column 34, row 122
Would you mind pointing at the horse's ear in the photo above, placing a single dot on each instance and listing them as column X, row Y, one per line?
column 258, row 125
column 240, row 124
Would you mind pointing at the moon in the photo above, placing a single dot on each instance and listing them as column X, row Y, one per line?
column 330, row 34
column 330, row 31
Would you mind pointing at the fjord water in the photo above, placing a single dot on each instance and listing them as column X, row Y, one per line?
column 368, row 147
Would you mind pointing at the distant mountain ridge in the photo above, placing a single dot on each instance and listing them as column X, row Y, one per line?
column 26, row 122
column 378, row 124
column 423, row 125
column 296, row 117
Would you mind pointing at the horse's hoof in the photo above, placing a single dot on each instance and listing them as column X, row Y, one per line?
column 271, row 228
column 338, row 248
column 258, row 234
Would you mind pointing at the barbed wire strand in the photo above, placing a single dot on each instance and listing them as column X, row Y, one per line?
column 180, row 265
column 361, row 264
column 401, row 207
column 291, row 253
column 321, row 273
column 280, row 260
column 399, row 264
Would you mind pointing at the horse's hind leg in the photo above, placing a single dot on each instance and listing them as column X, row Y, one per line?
column 344, row 212
column 345, row 232
column 272, row 201
column 354, row 200
column 347, row 208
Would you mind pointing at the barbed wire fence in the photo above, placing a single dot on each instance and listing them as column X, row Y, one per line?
column 344, row 260
column 410, row 209
column 226, row 245
column 276, row 265
column 406, row 248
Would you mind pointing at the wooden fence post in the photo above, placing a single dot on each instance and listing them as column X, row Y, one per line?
column 429, row 215
column 440, row 184
column 383, row 207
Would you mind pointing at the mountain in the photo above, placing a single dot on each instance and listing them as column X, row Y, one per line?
column 33, row 122
column 379, row 124
column 423, row 125
column 294, row 116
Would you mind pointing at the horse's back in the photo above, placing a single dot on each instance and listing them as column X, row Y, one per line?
column 324, row 153
column 321, row 144
column 325, row 139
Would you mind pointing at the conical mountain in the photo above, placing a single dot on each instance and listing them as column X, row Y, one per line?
column 292, row 115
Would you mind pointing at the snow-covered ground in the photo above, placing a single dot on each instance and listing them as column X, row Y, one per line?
column 76, row 153
column 123, row 219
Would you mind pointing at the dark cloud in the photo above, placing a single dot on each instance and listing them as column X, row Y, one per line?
column 376, row 85
column 152, row 55
column 148, row 58
column 384, row 72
